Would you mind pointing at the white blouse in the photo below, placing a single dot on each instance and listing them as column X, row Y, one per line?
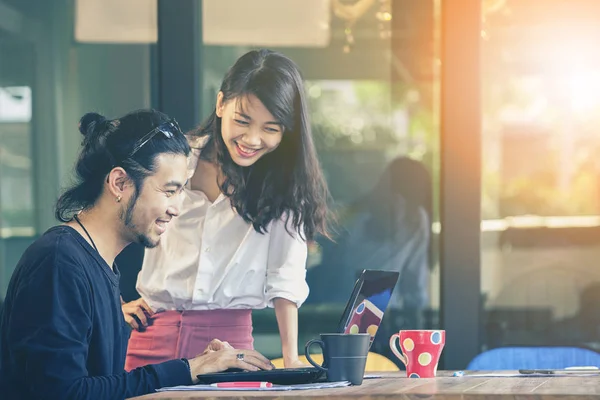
column 210, row 258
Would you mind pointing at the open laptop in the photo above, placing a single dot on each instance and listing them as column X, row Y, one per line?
column 363, row 314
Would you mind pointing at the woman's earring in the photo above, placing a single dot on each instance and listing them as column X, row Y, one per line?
column 118, row 199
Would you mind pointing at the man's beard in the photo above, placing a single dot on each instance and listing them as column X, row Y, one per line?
column 136, row 235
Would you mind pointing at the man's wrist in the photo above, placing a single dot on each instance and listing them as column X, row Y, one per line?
column 189, row 368
column 196, row 368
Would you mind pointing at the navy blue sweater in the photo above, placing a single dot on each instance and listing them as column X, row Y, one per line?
column 62, row 332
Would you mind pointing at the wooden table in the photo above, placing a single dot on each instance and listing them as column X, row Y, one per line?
column 396, row 386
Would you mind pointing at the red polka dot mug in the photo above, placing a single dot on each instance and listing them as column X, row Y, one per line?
column 421, row 351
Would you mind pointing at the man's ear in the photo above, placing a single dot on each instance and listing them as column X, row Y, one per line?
column 117, row 183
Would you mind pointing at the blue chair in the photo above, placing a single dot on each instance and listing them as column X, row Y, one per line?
column 513, row 358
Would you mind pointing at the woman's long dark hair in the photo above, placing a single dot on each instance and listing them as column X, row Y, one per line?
column 288, row 182
column 107, row 144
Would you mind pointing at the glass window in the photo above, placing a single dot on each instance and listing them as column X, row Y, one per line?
column 16, row 194
column 372, row 89
column 372, row 80
column 48, row 81
column 540, row 199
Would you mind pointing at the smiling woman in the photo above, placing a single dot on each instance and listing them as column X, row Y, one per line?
column 290, row 180
column 249, row 130
column 255, row 196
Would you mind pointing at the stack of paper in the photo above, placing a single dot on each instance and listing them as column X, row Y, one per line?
column 320, row 385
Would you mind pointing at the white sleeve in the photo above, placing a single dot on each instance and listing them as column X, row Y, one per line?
column 286, row 265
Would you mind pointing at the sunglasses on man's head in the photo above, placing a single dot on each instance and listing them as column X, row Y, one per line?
column 168, row 129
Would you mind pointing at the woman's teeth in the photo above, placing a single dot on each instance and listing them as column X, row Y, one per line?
column 247, row 150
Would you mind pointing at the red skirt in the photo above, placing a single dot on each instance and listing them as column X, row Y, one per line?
column 176, row 334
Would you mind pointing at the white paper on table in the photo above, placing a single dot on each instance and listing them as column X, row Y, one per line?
column 307, row 386
column 517, row 375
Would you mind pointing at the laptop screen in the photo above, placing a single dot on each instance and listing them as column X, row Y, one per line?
column 368, row 302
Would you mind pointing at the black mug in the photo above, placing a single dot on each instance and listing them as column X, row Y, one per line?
column 344, row 356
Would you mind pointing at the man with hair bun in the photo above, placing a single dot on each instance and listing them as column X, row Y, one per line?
column 62, row 330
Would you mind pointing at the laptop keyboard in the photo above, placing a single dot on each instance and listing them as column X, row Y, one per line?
column 275, row 370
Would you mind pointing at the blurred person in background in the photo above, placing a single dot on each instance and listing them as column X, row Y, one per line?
column 388, row 229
